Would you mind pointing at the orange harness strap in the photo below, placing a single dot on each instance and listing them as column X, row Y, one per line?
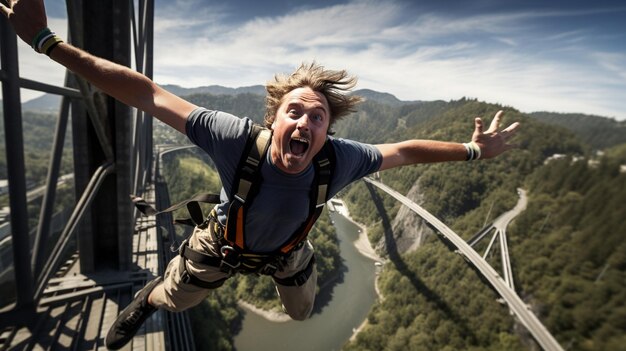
column 248, row 183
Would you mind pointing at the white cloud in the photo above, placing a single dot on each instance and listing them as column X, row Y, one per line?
column 430, row 57
column 615, row 63
column 502, row 58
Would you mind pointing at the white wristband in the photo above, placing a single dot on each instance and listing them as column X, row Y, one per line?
column 473, row 151
column 476, row 148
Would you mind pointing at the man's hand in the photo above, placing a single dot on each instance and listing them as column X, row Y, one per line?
column 492, row 143
column 28, row 17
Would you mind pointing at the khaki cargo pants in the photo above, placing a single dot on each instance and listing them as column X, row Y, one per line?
column 174, row 295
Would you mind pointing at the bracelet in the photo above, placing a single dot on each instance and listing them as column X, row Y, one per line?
column 45, row 41
column 41, row 34
column 470, row 152
column 473, row 151
column 52, row 46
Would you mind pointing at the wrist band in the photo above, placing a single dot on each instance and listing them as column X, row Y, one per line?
column 41, row 34
column 45, row 41
column 49, row 44
column 476, row 148
column 469, row 151
column 52, row 46
column 473, row 151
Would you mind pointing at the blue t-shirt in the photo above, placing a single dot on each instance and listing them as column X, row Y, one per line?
column 282, row 203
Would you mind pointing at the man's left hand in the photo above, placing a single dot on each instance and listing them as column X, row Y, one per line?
column 493, row 142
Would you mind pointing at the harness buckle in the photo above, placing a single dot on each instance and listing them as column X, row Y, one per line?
column 185, row 277
column 269, row 269
column 230, row 259
column 300, row 279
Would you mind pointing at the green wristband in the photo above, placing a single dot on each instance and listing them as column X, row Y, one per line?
column 42, row 33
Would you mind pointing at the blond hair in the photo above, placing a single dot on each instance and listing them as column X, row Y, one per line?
column 335, row 86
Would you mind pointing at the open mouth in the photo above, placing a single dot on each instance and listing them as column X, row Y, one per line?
column 298, row 146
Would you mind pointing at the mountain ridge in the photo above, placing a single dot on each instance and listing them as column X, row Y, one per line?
column 50, row 102
column 598, row 131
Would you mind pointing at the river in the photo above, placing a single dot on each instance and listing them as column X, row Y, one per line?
column 332, row 327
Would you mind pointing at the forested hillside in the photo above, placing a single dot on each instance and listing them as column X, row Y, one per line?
column 570, row 250
column 570, row 235
column 243, row 105
column 598, row 132
column 38, row 135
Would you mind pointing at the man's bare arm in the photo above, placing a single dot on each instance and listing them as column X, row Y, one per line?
column 491, row 144
column 125, row 85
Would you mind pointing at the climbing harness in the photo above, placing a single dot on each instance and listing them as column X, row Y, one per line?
column 235, row 256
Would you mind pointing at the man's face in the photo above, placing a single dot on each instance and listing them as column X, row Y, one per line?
column 300, row 128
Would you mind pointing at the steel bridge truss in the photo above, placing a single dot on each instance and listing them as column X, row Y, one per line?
column 113, row 155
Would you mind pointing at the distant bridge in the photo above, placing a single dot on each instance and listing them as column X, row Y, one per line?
column 517, row 306
column 498, row 227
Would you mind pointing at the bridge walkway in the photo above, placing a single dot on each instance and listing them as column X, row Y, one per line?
column 77, row 309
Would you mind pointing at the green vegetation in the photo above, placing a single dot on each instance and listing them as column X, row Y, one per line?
column 433, row 301
column 452, row 189
column 567, row 247
column 38, row 136
column 572, row 239
column 598, row 132
column 216, row 320
column 243, row 105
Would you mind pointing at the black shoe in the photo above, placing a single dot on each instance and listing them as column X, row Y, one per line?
column 131, row 318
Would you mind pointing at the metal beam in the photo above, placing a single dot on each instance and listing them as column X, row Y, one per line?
column 106, row 241
column 45, row 216
column 143, row 33
column 15, row 168
column 85, row 201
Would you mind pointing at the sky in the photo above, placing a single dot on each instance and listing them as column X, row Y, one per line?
column 559, row 56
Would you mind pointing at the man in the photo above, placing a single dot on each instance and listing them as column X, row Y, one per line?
column 301, row 108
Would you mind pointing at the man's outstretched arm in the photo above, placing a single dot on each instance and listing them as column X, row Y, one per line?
column 126, row 85
column 490, row 143
column 28, row 17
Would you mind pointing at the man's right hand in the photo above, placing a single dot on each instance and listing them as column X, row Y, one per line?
column 28, row 17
